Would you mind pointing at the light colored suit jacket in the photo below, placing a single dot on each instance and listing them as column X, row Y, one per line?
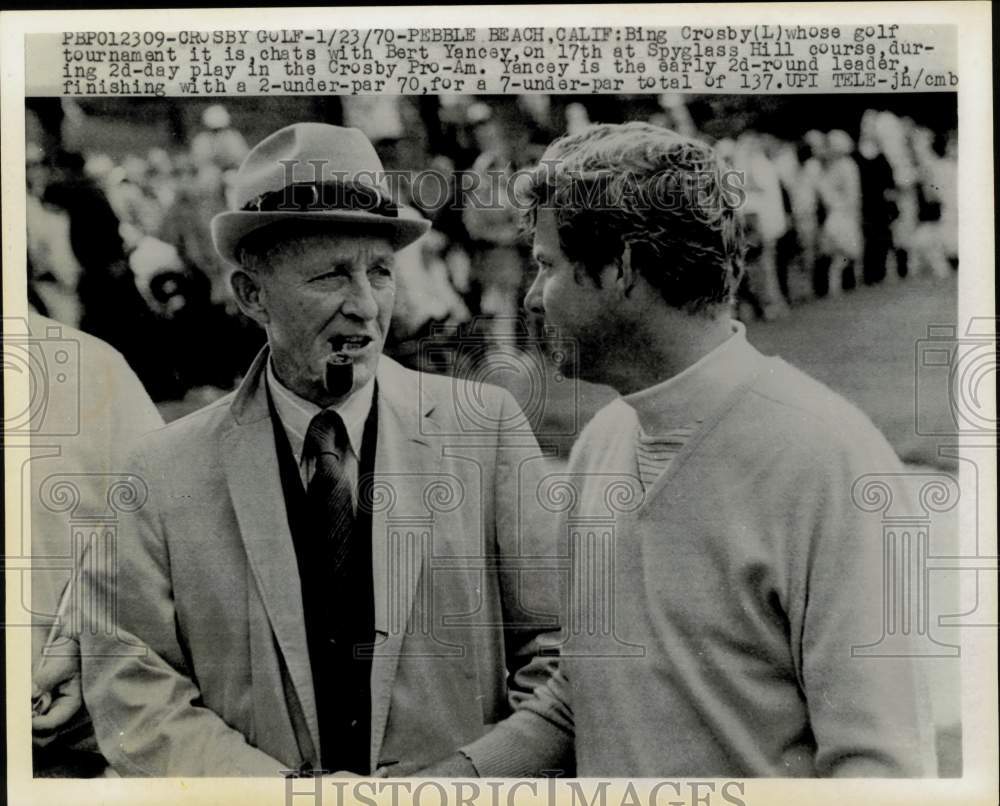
column 195, row 659
column 75, row 453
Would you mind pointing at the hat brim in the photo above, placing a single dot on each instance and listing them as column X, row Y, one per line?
column 229, row 229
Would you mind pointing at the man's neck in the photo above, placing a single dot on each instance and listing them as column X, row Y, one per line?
column 666, row 349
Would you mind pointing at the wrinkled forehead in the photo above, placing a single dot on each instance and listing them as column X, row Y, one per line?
column 335, row 246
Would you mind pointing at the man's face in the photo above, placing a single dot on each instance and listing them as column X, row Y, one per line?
column 334, row 293
column 579, row 310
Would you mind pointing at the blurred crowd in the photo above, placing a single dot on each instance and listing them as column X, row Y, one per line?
column 123, row 251
column 828, row 213
column 122, row 248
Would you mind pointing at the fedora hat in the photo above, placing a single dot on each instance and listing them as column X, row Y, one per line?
column 316, row 173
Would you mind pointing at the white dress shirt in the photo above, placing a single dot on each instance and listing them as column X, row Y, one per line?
column 296, row 413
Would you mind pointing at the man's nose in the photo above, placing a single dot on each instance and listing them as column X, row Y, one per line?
column 533, row 299
column 360, row 300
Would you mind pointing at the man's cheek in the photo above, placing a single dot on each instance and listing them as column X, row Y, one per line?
column 387, row 303
column 553, row 307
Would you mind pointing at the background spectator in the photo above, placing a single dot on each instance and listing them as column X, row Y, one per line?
column 840, row 191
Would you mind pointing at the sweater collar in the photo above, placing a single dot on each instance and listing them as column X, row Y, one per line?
column 696, row 391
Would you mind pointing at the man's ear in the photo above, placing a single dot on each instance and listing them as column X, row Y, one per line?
column 249, row 295
column 626, row 277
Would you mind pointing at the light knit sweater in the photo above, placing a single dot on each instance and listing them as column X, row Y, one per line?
column 738, row 587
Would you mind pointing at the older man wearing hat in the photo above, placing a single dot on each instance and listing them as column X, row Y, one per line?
column 328, row 572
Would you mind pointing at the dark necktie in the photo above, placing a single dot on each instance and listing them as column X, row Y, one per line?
column 336, row 622
column 329, row 493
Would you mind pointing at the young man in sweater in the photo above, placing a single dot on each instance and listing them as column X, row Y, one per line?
column 743, row 575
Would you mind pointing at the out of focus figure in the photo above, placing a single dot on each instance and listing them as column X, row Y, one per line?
column 202, row 299
column 162, row 179
column 202, row 194
column 492, row 222
column 948, row 184
column 878, row 204
column 137, row 209
column 797, row 247
column 782, row 156
column 765, row 220
column 53, row 270
column 577, row 118
column 676, row 115
column 840, row 189
column 425, row 300
column 218, row 143
column 894, row 139
column 809, row 210
column 111, row 306
column 936, row 180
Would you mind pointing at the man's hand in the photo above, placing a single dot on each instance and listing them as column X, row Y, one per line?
column 55, row 695
column 457, row 765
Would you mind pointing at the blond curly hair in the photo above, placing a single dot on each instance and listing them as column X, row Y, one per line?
column 667, row 200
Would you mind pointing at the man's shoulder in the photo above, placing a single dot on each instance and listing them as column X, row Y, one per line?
column 450, row 398
column 786, row 405
column 439, row 384
column 781, row 386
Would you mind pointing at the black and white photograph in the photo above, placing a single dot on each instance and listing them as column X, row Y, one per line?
column 399, row 429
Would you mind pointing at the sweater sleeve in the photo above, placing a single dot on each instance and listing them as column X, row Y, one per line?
column 870, row 715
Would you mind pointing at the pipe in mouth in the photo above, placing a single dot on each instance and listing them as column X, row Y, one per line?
column 339, row 375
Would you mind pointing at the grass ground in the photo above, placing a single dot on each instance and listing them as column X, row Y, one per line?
column 864, row 345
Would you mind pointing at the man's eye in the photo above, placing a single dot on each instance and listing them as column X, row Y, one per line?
column 381, row 270
column 334, row 273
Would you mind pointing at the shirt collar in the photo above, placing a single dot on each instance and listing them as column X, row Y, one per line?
column 296, row 413
column 696, row 391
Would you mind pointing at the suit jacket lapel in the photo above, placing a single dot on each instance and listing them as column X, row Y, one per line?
column 251, row 464
column 403, row 448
